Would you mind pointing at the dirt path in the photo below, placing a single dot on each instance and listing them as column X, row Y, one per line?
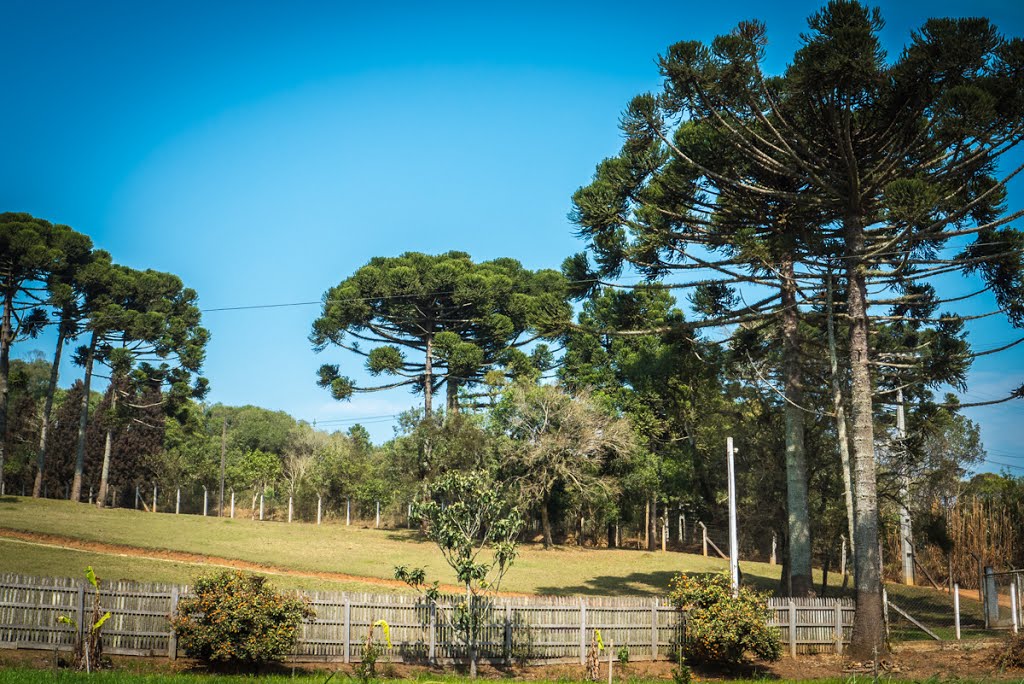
column 62, row 542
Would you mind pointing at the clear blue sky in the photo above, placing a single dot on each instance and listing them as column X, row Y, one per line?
column 264, row 151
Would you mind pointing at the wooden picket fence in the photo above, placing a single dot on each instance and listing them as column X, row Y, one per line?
column 528, row 629
column 813, row 625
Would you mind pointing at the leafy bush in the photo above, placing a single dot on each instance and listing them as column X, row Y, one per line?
column 234, row 617
column 722, row 629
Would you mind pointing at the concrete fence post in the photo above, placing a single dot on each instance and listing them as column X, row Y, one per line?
column 654, row 630
column 347, row 630
column 432, row 654
column 956, row 608
column 792, row 628
column 583, row 633
column 172, row 642
column 1014, row 617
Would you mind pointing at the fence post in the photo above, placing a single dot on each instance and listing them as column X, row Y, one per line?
column 583, row 633
column 177, row 501
column 348, row 512
column 205, row 500
column 991, row 600
column 376, row 522
column 508, row 633
column 704, row 538
column 347, row 630
column 839, row 627
column 232, row 504
column 654, row 630
column 956, row 608
column 792, row 628
column 319, row 507
column 885, row 610
column 432, row 655
column 1013, row 605
column 172, row 642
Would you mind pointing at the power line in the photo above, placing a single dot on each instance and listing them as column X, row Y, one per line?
column 450, row 292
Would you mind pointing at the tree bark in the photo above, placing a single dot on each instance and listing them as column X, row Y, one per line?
column 83, row 421
column 428, row 378
column 453, row 396
column 652, row 523
column 105, row 473
column 868, row 638
column 44, row 431
column 796, row 456
column 545, row 524
column 6, row 339
column 839, row 407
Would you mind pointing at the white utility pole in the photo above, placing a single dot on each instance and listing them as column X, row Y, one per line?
column 734, row 551
column 906, row 525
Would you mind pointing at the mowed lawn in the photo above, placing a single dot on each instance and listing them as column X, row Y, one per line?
column 306, row 547
column 336, row 548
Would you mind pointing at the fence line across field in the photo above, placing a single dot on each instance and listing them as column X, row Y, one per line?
column 524, row 629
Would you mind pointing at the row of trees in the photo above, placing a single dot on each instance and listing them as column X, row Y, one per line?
column 141, row 332
column 811, row 215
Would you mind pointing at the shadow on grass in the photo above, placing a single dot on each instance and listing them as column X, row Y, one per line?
column 9, row 499
column 654, row 583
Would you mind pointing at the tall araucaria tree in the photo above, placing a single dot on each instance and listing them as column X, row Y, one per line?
column 158, row 345
column 144, row 326
column 898, row 158
column 30, row 250
column 66, row 301
column 459, row 320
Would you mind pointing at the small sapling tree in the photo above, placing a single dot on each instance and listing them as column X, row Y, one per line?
column 472, row 520
column 89, row 647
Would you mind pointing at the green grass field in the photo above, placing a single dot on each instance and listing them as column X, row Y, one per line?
column 357, row 551
column 327, row 548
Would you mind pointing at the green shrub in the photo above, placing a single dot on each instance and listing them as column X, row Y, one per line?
column 722, row 629
column 234, row 617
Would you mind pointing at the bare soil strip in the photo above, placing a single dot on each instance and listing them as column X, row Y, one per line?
column 62, row 542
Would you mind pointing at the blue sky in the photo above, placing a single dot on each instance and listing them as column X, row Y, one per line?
column 264, row 151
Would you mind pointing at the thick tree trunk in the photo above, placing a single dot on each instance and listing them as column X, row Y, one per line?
column 428, row 378
column 105, row 473
column 452, row 404
column 796, row 457
column 83, row 421
column 545, row 524
column 868, row 637
column 839, row 406
column 44, row 431
column 6, row 340
column 647, row 524
column 652, row 523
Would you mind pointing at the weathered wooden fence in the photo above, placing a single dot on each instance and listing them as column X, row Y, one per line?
column 527, row 629
column 812, row 625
